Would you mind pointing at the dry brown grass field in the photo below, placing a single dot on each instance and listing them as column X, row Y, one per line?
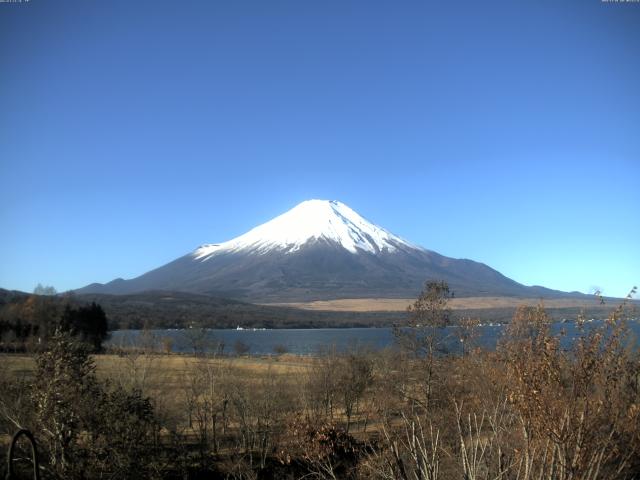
column 401, row 304
column 167, row 372
column 167, row 379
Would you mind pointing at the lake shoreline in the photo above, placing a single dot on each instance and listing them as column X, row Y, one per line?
column 306, row 341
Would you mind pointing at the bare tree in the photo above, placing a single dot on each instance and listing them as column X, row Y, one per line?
column 355, row 375
column 44, row 290
column 321, row 385
column 422, row 335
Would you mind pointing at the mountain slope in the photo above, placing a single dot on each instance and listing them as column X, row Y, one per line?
column 316, row 251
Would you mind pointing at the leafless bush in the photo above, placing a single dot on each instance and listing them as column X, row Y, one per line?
column 408, row 450
column 324, row 451
column 577, row 408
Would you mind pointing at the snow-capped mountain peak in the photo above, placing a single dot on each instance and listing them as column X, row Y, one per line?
column 310, row 221
column 318, row 250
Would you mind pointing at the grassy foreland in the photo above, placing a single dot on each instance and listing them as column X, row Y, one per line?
column 464, row 303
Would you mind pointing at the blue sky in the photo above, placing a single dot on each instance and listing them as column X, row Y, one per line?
column 505, row 132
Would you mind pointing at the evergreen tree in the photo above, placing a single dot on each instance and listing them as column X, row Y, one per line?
column 89, row 323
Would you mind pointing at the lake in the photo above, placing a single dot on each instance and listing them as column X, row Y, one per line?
column 312, row 341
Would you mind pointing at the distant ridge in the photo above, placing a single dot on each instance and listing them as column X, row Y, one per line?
column 164, row 309
column 319, row 250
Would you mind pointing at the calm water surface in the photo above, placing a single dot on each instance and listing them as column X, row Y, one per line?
column 312, row 341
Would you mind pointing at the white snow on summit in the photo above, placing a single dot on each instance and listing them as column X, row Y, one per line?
column 308, row 221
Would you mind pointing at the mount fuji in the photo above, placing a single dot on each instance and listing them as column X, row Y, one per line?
column 318, row 250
